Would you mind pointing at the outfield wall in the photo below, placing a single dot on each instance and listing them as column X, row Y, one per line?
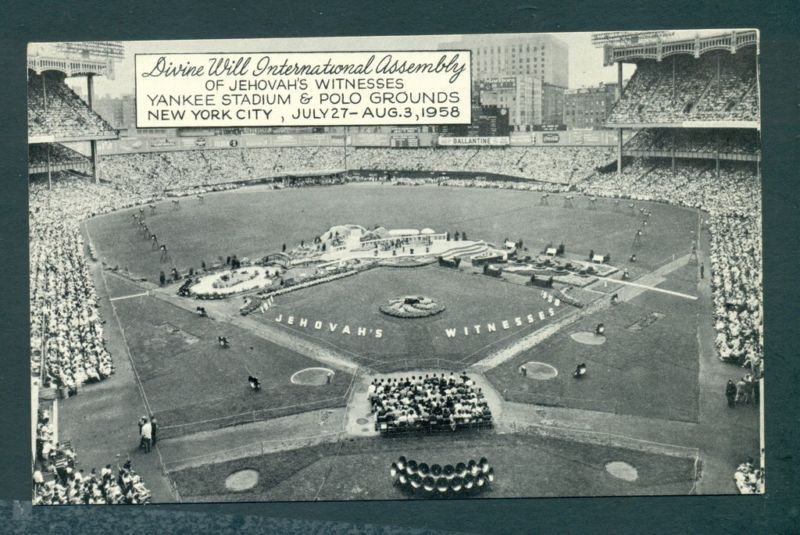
column 143, row 143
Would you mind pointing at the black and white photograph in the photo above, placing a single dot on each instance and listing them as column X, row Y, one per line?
column 473, row 266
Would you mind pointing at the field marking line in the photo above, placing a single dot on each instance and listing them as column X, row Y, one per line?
column 653, row 288
column 175, row 465
column 131, row 296
column 197, row 422
column 172, row 485
column 142, row 393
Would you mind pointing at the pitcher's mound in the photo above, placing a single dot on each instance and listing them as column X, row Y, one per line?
column 312, row 376
column 588, row 338
column 622, row 470
column 539, row 371
column 242, row 480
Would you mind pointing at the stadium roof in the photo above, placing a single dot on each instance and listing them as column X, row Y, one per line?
column 75, row 58
column 70, row 67
column 696, row 46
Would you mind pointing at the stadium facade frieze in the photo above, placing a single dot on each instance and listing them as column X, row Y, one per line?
column 696, row 46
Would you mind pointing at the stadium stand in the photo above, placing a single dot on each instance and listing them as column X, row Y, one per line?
column 157, row 172
column 55, row 110
column 547, row 164
column 695, row 140
column 718, row 86
column 59, row 154
column 65, row 323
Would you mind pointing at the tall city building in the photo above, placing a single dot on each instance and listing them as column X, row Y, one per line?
column 528, row 74
column 588, row 107
column 120, row 112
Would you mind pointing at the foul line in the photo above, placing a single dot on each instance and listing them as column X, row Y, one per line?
column 653, row 288
column 129, row 296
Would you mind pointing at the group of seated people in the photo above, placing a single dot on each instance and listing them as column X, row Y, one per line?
column 437, row 480
column 154, row 173
column 548, row 164
column 58, row 154
column 696, row 140
column 736, row 282
column 66, row 327
column 428, row 402
column 57, row 480
column 55, row 110
column 749, row 479
column 689, row 90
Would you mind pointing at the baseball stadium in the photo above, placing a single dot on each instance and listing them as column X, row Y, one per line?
column 292, row 314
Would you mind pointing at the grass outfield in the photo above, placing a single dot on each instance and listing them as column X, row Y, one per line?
column 189, row 379
column 525, row 465
column 643, row 369
column 253, row 221
column 469, row 299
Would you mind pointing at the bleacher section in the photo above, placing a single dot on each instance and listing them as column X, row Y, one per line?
column 55, row 110
column 696, row 141
column 547, row 164
column 156, row 172
column 60, row 158
column 718, row 86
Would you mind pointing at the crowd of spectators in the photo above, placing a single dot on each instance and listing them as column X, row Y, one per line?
column 718, row 86
column 154, row 173
column 427, row 402
column 59, row 154
column 66, row 327
column 159, row 172
column 57, row 479
column 696, row 140
column 547, row 164
column 55, row 110
column 749, row 479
